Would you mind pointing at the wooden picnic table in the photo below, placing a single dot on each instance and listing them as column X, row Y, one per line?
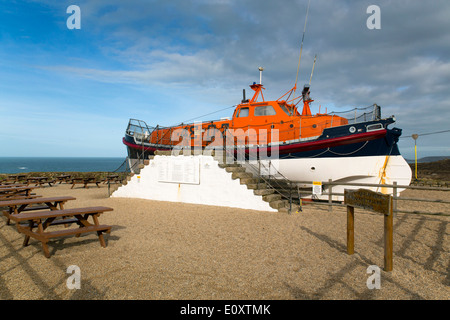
column 113, row 178
column 18, row 206
column 17, row 177
column 12, row 184
column 39, row 181
column 42, row 220
column 63, row 178
column 85, row 182
column 8, row 193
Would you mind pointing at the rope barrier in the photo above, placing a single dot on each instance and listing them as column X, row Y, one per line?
column 427, row 134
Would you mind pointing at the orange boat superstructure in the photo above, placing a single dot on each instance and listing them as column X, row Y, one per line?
column 253, row 123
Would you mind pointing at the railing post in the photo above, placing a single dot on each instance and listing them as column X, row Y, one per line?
column 394, row 195
column 259, row 172
column 290, row 197
column 330, row 191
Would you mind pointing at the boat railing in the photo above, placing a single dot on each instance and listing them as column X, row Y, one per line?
column 140, row 130
column 357, row 115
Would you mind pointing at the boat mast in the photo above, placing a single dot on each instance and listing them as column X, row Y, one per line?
column 301, row 47
column 312, row 71
column 305, row 94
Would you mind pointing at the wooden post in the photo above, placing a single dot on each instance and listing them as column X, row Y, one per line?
column 330, row 191
column 350, row 229
column 394, row 195
column 388, row 239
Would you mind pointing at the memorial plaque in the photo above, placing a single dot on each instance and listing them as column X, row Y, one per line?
column 179, row 170
column 367, row 199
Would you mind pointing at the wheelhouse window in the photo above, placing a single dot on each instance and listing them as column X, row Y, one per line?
column 285, row 109
column 265, row 111
column 243, row 112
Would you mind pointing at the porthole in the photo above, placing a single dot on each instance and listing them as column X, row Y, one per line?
column 314, row 125
column 352, row 129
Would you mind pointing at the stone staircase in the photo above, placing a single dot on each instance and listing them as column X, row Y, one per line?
column 260, row 187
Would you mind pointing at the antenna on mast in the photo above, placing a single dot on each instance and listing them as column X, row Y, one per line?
column 312, row 71
column 260, row 74
column 301, row 46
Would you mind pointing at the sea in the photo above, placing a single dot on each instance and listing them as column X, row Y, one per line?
column 61, row 164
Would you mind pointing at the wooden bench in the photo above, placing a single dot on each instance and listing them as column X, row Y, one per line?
column 19, row 205
column 42, row 220
column 17, row 178
column 63, row 178
column 85, row 182
column 18, row 197
column 112, row 178
column 12, row 184
column 15, row 191
column 39, row 181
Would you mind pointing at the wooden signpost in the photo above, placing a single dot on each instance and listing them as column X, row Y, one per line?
column 377, row 202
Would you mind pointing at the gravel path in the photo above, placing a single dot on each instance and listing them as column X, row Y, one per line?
column 162, row 250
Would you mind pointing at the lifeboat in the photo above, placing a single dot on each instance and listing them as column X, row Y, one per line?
column 302, row 147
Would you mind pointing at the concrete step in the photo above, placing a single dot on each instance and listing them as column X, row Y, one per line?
column 224, row 161
column 248, row 181
column 263, row 192
column 271, row 197
column 241, row 175
column 229, row 165
column 256, row 186
column 235, row 169
column 277, row 204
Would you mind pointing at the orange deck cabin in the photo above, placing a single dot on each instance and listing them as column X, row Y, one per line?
column 255, row 123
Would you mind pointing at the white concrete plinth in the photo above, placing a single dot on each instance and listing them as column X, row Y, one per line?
column 191, row 179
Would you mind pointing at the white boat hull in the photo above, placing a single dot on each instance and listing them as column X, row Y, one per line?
column 366, row 170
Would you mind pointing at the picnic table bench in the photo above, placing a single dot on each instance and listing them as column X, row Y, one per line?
column 85, row 182
column 14, row 192
column 19, row 205
column 9, row 184
column 112, row 178
column 17, row 177
column 43, row 219
column 39, row 181
column 63, row 178
column 12, row 184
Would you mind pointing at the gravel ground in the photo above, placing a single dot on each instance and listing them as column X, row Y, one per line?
column 162, row 250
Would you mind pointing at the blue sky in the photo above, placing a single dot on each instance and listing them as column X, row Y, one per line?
column 71, row 92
